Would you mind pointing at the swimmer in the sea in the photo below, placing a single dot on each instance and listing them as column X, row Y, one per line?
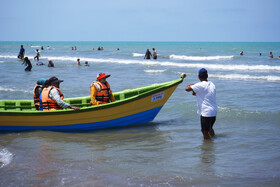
column 27, row 63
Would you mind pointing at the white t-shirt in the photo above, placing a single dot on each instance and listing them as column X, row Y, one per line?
column 206, row 98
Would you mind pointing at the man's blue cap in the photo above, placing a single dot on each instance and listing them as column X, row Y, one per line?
column 41, row 81
column 202, row 72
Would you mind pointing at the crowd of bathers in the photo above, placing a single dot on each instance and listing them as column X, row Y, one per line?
column 26, row 61
column 270, row 54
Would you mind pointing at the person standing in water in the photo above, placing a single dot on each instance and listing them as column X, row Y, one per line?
column 270, row 55
column 154, row 54
column 148, row 54
column 21, row 53
column 37, row 55
column 205, row 92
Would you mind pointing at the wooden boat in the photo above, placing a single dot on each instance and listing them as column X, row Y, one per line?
column 132, row 106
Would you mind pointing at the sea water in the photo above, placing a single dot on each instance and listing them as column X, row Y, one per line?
column 169, row 151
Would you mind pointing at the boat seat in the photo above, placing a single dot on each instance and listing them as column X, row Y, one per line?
column 26, row 105
column 2, row 105
column 79, row 102
column 16, row 105
column 121, row 96
column 9, row 105
column 131, row 94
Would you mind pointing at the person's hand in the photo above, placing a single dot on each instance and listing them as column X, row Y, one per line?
column 75, row 108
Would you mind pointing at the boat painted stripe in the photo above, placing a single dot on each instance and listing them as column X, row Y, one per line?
column 139, row 118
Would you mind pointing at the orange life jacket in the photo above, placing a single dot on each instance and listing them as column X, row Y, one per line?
column 103, row 96
column 36, row 97
column 48, row 103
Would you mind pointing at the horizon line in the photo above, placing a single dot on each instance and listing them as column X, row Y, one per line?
column 134, row 41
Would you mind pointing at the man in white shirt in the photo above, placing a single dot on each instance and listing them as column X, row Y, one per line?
column 205, row 92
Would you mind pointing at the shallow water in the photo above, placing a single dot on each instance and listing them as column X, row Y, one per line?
column 170, row 151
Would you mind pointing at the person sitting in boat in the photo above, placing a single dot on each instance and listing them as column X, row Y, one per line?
column 46, row 84
column 52, row 97
column 37, row 92
column 100, row 91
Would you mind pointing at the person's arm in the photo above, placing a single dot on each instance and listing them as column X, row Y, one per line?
column 93, row 92
column 74, row 107
column 54, row 94
column 112, row 97
column 189, row 88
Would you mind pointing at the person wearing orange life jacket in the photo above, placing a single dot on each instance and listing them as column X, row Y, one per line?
column 52, row 97
column 37, row 92
column 47, row 83
column 100, row 91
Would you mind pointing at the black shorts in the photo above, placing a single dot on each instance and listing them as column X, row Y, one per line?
column 207, row 123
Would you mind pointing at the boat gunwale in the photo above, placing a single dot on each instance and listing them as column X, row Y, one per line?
column 162, row 86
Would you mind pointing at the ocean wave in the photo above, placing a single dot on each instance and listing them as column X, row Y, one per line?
column 13, row 90
column 8, row 56
column 35, row 46
column 137, row 54
column 246, row 77
column 5, row 157
column 230, row 113
column 175, row 64
column 154, row 71
column 199, row 58
column 228, row 67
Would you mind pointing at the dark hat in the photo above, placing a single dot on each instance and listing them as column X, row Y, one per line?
column 202, row 72
column 55, row 80
column 41, row 81
column 47, row 83
column 102, row 75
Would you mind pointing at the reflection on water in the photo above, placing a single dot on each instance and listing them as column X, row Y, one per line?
column 207, row 157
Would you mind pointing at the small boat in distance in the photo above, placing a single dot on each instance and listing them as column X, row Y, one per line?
column 132, row 106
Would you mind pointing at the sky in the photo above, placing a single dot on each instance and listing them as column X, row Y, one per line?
column 140, row 20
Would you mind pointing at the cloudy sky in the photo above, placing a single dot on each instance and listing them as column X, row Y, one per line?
column 140, row 20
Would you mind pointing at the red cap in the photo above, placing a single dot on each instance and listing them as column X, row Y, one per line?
column 102, row 75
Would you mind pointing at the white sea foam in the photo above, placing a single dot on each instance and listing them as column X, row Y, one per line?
column 137, row 54
column 174, row 64
column 13, row 90
column 246, row 77
column 35, row 46
column 199, row 58
column 5, row 157
column 154, row 71
column 8, row 56
column 228, row 67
